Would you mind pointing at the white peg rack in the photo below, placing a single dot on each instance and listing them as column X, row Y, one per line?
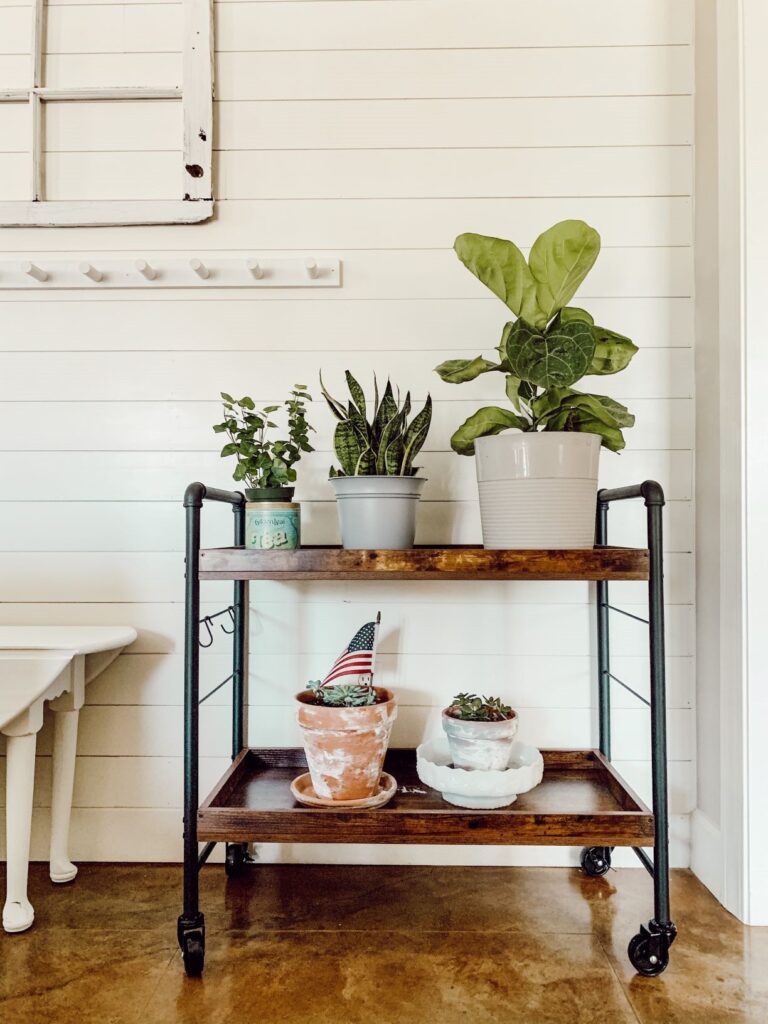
column 158, row 272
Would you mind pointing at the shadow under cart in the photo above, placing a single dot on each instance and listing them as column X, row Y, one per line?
column 581, row 801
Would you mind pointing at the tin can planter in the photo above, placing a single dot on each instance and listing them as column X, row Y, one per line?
column 480, row 746
column 377, row 511
column 272, row 519
column 345, row 747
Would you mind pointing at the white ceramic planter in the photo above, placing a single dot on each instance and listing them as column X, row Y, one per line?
column 480, row 746
column 486, row 790
column 538, row 489
column 377, row 511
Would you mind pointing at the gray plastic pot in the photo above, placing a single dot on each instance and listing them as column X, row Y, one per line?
column 377, row 511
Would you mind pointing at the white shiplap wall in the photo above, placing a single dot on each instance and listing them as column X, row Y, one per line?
column 373, row 130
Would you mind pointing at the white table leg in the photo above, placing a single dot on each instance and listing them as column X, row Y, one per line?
column 18, row 913
column 64, row 753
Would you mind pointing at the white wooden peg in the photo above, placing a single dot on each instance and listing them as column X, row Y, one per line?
column 200, row 268
column 146, row 270
column 34, row 271
column 311, row 268
column 255, row 268
column 89, row 271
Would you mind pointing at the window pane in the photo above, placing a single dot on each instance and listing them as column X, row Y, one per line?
column 106, row 149
column 75, row 71
column 15, row 161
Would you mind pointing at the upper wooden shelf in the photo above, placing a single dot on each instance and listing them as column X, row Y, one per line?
column 424, row 563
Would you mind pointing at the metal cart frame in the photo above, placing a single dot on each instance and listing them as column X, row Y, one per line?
column 649, row 948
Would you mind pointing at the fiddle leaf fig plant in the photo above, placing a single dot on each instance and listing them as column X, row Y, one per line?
column 383, row 443
column 550, row 345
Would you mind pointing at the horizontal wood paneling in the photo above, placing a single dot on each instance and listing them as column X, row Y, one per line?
column 242, row 323
column 374, row 132
column 156, row 679
column 390, row 73
column 186, row 425
column 161, row 476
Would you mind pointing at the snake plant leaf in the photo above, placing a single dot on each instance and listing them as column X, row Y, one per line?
column 415, row 436
column 385, row 412
column 406, row 411
column 457, row 371
column 336, row 407
column 359, row 423
column 556, row 358
column 347, row 446
column 500, row 265
column 393, row 457
column 559, row 260
column 489, row 420
column 391, row 430
column 613, row 352
column 575, row 313
column 358, row 395
column 365, row 464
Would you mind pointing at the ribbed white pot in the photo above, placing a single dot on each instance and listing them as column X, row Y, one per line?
column 538, row 489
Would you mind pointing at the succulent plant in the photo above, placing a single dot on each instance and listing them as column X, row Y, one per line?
column 385, row 446
column 471, row 708
column 344, row 695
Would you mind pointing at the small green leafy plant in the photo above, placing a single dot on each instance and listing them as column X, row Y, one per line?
column 385, row 445
column 550, row 346
column 343, row 695
column 261, row 461
column 471, row 708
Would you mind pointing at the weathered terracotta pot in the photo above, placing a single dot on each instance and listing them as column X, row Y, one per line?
column 480, row 746
column 345, row 747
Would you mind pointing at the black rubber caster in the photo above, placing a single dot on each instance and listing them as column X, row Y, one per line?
column 191, row 936
column 596, row 861
column 648, row 951
column 235, row 859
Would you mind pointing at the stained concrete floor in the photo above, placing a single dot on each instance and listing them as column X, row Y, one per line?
column 347, row 945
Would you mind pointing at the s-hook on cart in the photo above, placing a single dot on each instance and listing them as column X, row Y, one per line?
column 581, row 801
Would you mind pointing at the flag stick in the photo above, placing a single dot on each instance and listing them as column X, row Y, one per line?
column 375, row 644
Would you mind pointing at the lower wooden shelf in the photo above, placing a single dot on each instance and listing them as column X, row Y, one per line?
column 581, row 801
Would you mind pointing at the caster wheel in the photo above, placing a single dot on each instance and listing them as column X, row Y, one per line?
column 648, row 953
column 193, row 955
column 595, row 861
column 191, row 935
column 234, row 863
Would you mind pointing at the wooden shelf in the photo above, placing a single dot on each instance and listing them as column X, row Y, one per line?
column 581, row 801
column 425, row 563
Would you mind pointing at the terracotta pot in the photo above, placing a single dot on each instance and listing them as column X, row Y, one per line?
column 345, row 747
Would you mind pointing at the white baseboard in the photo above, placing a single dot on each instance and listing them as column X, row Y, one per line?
column 707, row 861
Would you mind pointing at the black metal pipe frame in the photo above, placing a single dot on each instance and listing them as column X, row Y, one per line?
column 661, row 927
column 191, row 923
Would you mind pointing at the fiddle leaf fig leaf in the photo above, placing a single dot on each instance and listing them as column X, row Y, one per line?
column 559, row 260
column 512, row 388
column 489, row 420
column 500, row 265
column 556, row 358
column 457, row 371
column 613, row 352
column 575, row 313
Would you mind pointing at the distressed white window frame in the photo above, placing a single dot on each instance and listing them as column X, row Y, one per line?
column 196, row 95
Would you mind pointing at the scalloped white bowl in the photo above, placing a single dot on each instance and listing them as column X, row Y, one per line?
column 479, row 789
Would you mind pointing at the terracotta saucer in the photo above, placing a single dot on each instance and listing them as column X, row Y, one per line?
column 304, row 792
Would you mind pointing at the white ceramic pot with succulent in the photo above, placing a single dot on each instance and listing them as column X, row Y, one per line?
column 537, row 459
column 377, row 485
column 481, row 732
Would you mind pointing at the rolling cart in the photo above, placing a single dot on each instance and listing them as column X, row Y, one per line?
column 581, row 801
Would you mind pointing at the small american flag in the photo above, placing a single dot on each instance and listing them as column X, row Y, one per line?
column 357, row 657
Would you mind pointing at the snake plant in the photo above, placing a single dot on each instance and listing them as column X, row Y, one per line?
column 550, row 346
column 383, row 443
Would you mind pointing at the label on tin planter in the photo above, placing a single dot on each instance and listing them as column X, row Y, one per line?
column 272, row 525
